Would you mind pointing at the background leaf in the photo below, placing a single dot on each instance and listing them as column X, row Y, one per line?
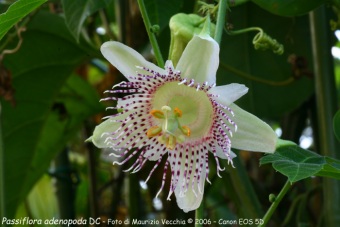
column 76, row 12
column 297, row 163
column 76, row 102
column 35, row 128
column 16, row 12
column 160, row 11
column 289, row 7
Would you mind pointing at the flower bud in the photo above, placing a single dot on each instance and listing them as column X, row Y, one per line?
column 183, row 27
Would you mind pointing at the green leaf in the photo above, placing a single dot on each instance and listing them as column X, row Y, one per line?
column 289, row 7
column 297, row 163
column 76, row 12
column 336, row 125
column 270, row 93
column 160, row 11
column 34, row 130
column 76, row 102
column 41, row 194
column 16, row 12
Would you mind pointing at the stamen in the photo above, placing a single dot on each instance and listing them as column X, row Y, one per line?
column 153, row 131
column 171, row 142
column 157, row 114
column 178, row 112
column 173, row 132
column 186, row 130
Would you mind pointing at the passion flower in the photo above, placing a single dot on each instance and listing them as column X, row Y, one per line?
column 179, row 114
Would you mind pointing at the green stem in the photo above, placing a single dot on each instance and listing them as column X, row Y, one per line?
column 64, row 185
column 92, row 176
column 2, row 174
column 152, row 36
column 199, row 215
column 220, row 21
column 277, row 201
column 326, row 103
column 120, row 7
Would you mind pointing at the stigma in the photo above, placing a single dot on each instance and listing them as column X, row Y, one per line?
column 169, row 131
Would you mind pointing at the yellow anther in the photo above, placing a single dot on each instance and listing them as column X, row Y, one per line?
column 157, row 114
column 171, row 142
column 186, row 130
column 154, row 131
column 178, row 112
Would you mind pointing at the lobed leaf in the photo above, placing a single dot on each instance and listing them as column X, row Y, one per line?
column 297, row 163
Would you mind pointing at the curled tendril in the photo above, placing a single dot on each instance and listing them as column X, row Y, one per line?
column 155, row 29
column 19, row 30
column 262, row 41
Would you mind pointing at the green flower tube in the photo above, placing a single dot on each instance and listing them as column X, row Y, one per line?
column 183, row 27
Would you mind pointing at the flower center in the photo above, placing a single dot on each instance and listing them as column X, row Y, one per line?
column 195, row 105
column 170, row 132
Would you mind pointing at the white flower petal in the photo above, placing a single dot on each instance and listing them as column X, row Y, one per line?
column 200, row 60
column 125, row 59
column 221, row 154
column 252, row 133
column 229, row 93
column 190, row 200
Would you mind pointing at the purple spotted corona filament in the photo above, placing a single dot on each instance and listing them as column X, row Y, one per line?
column 178, row 114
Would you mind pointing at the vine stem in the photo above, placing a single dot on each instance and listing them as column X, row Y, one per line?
column 220, row 21
column 152, row 36
column 199, row 215
column 277, row 201
column 248, row 76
